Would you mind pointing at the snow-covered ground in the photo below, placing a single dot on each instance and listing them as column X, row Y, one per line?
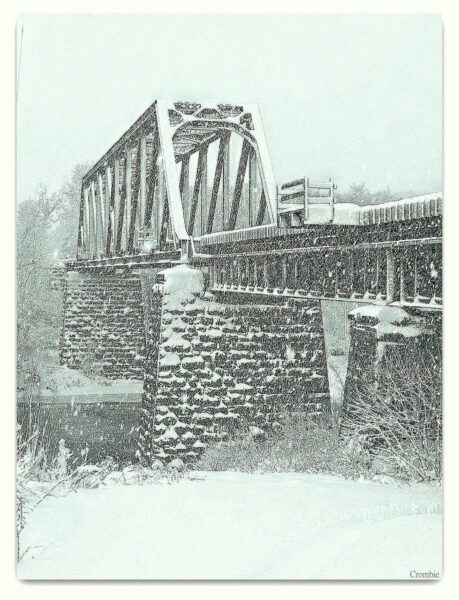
column 62, row 382
column 237, row 526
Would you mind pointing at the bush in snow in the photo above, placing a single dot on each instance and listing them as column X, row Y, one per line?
column 37, row 475
column 300, row 444
column 399, row 419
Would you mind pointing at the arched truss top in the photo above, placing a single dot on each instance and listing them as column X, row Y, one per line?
column 182, row 170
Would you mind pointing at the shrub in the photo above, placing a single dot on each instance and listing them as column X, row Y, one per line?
column 399, row 418
column 300, row 445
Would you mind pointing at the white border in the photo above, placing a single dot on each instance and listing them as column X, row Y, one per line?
column 9, row 586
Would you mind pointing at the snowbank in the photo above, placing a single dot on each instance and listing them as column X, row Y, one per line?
column 237, row 526
column 70, row 382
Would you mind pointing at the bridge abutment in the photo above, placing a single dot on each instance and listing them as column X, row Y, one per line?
column 221, row 366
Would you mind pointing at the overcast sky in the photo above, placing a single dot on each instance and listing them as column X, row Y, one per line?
column 356, row 97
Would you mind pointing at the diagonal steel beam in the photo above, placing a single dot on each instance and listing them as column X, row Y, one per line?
column 261, row 209
column 245, row 151
column 164, row 222
column 252, row 186
column 224, row 139
column 170, row 172
column 185, row 182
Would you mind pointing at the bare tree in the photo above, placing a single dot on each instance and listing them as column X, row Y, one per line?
column 358, row 193
column 64, row 235
column 38, row 309
column 47, row 228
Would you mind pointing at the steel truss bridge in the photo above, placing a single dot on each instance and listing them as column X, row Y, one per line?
column 193, row 182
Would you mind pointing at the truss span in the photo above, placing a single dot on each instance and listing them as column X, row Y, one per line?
column 183, row 170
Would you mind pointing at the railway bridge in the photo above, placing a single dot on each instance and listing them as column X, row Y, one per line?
column 199, row 275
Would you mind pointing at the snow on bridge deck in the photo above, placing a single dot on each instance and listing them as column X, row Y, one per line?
column 345, row 213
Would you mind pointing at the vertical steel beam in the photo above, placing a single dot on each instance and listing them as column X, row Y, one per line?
column 332, row 200
column 284, row 272
column 225, row 184
column 252, row 186
column 265, row 273
column 135, row 201
column 204, row 207
column 103, row 231
column 143, row 181
column 246, row 148
column 377, row 272
column 90, row 227
column 116, row 179
column 296, row 258
column 160, row 204
column 184, row 185
column 81, row 226
column 110, row 187
column 306, row 198
column 197, row 186
column 127, row 204
column 351, row 270
column 152, row 182
column 390, row 275
column 366, row 260
column 336, row 260
column 121, row 213
column 402, row 280
column 107, row 188
column 211, row 273
column 96, row 251
column 87, row 220
column 238, row 270
column 216, row 185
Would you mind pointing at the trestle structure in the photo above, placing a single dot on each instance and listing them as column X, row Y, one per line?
column 193, row 182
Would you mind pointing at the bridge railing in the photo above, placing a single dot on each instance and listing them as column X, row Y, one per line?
column 295, row 199
column 407, row 275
